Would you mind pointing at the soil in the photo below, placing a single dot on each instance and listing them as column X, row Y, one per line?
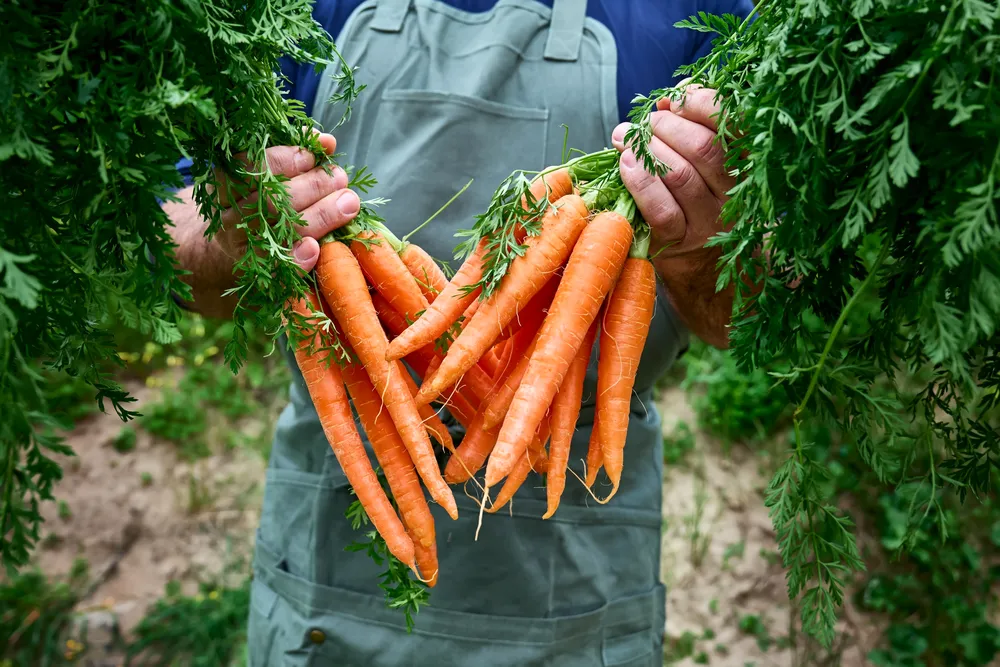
column 192, row 521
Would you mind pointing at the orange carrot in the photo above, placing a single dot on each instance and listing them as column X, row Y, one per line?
column 455, row 298
column 326, row 389
column 537, row 456
column 471, row 453
column 343, row 285
column 524, row 465
column 429, row 276
column 427, row 561
column 496, row 409
column 388, row 274
column 435, row 427
column 392, row 455
column 590, row 274
column 533, row 313
column 503, row 359
column 489, row 361
column 595, row 453
column 624, row 329
column 527, row 274
column 565, row 411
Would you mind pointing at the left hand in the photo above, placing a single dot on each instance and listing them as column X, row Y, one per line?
column 683, row 206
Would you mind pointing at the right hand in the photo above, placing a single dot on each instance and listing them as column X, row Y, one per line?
column 321, row 198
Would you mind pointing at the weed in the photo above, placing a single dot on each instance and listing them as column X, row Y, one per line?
column 677, row 445
column 125, row 440
column 146, row 479
column 204, row 630
column 36, row 616
column 699, row 541
column 730, row 403
column 734, row 550
column 200, row 495
column 65, row 513
column 753, row 625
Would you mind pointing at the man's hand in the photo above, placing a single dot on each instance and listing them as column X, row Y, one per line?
column 683, row 207
column 322, row 199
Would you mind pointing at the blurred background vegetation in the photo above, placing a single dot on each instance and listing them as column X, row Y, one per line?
column 936, row 605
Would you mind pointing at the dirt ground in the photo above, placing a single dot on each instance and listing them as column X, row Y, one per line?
column 144, row 517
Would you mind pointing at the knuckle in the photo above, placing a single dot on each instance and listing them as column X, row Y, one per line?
column 707, row 150
column 680, row 176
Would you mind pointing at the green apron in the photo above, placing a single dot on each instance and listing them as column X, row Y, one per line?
column 453, row 95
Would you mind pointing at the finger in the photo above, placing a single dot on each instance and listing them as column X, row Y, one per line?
column 306, row 253
column 698, row 105
column 700, row 207
column 288, row 161
column 333, row 211
column 304, row 191
column 329, row 143
column 697, row 144
column 618, row 136
column 658, row 206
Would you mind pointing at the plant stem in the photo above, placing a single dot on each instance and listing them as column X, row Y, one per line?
column 834, row 333
column 437, row 212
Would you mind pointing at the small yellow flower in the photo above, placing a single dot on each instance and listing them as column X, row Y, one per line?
column 147, row 357
column 199, row 360
column 211, row 351
column 198, row 330
column 174, row 360
column 151, row 381
column 214, row 595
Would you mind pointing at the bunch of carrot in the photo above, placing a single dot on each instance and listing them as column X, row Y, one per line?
column 504, row 345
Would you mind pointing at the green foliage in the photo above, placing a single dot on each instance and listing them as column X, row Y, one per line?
column 677, row 445
column 125, row 440
column 865, row 135
column 99, row 101
column 940, row 594
column 36, row 615
column 204, row 630
column 402, row 590
column 731, row 403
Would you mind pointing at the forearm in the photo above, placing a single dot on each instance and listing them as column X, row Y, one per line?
column 690, row 284
column 209, row 269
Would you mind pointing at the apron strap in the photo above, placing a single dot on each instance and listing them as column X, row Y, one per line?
column 566, row 30
column 389, row 15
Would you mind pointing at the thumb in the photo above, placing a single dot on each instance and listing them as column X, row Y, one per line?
column 306, row 253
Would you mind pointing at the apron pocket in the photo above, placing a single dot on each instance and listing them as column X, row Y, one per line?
column 287, row 519
column 358, row 630
column 429, row 144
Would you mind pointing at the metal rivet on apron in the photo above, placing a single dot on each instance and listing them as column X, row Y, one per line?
column 317, row 636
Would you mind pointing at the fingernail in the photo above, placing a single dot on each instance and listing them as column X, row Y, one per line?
column 618, row 135
column 348, row 203
column 304, row 252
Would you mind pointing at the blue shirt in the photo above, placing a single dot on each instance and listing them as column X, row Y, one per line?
column 650, row 48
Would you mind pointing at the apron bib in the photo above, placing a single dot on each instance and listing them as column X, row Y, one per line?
column 451, row 96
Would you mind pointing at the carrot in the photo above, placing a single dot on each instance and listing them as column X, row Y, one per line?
column 520, row 472
column 392, row 455
column 326, row 389
column 429, row 276
column 489, row 361
column 343, row 285
column 456, row 297
column 435, row 427
column 533, row 313
column 595, row 453
column 427, row 561
column 387, row 273
column 527, row 274
column 506, row 349
column 471, row 453
column 537, row 456
column 565, row 411
column 624, row 329
column 590, row 274
column 496, row 409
